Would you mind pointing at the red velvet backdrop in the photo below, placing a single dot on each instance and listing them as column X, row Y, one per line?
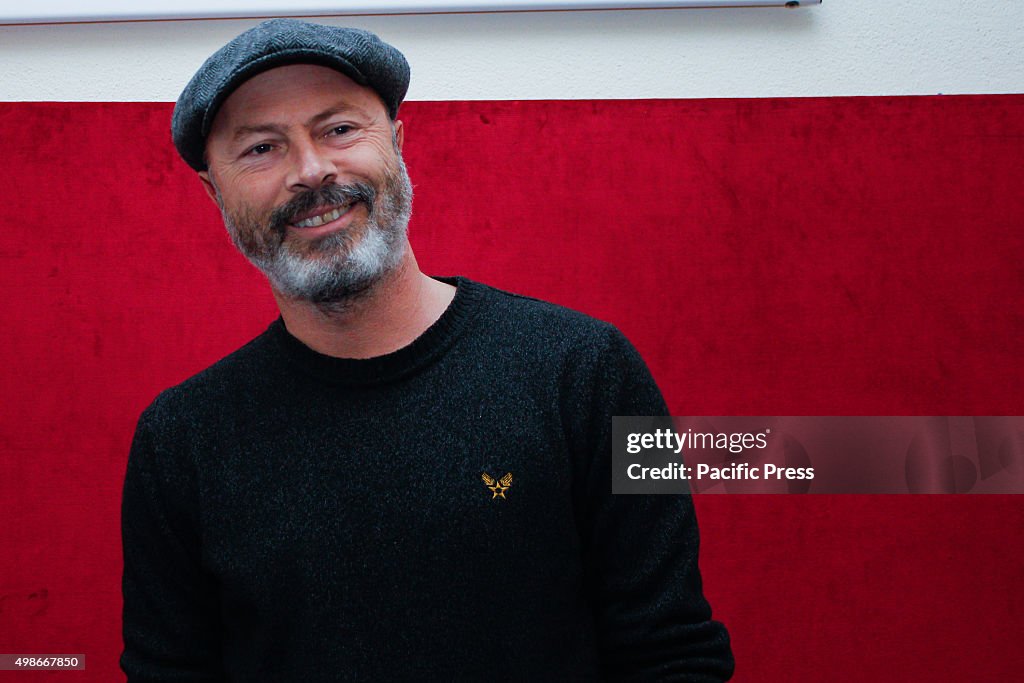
column 770, row 256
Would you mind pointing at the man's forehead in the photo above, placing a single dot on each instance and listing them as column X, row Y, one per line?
column 296, row 89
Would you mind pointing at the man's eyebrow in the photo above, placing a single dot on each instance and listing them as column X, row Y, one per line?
column 242, row 131
column 342, row 108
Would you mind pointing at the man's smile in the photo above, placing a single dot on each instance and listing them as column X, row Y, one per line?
column 322, row 220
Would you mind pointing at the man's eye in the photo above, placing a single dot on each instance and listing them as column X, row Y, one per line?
column 340, row 130
column 260, row 149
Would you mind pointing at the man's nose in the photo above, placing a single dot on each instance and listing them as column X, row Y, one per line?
column 311, row 168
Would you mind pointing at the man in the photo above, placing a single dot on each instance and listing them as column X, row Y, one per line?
column 403, row 477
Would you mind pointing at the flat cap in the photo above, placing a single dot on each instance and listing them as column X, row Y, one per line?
column 358, row 54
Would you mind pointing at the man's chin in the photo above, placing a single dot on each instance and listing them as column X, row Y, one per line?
column 333, row 273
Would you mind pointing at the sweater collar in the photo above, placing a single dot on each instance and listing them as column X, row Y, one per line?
column 381, row 369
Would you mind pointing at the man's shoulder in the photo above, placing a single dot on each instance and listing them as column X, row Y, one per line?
column 587, row 356
column 535, row 331
column 219, row 386
column 527, row 316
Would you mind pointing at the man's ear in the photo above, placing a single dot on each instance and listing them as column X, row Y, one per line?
column 399, row 134
column 211, row 189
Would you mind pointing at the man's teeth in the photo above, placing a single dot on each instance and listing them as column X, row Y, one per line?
column 322, row 218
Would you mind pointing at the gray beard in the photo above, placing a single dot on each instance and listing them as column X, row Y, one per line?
column 336, row 269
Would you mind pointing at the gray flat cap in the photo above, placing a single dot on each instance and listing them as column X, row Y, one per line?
column 360, row 55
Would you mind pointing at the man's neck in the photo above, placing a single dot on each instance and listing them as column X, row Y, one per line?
column 389, row 316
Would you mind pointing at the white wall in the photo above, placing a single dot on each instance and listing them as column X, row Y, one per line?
column 842, row 47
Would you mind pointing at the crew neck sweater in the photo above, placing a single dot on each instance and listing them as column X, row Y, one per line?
column 442, row 512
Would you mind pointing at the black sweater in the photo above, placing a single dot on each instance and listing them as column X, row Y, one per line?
column 291, row 516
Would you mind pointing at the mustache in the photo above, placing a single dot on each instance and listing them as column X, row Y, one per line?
column 328, row 195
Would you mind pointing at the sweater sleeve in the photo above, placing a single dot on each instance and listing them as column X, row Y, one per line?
column 171, row 609
column 640, row 551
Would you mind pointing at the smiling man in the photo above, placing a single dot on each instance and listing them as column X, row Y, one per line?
column 404, row 477
column 278, row 179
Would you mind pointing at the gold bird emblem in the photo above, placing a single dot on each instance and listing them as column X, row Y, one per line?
column 499, row 487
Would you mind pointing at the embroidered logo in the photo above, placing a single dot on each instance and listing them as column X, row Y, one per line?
column 499, row 487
